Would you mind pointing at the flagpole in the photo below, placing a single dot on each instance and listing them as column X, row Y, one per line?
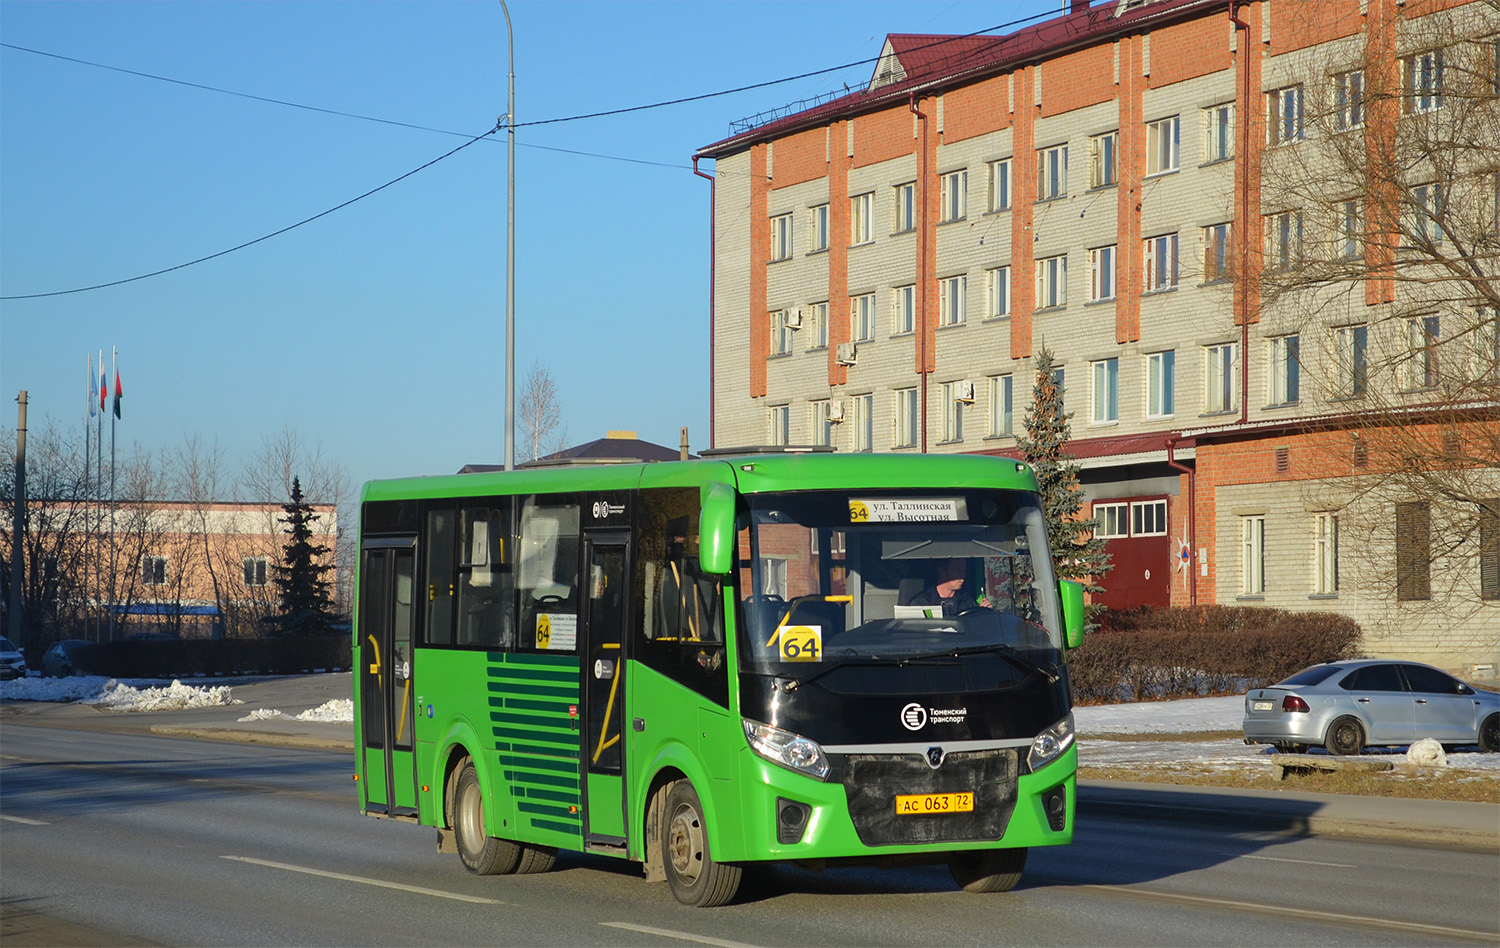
column 88, row 458
column 114, row 359
column 99, row 482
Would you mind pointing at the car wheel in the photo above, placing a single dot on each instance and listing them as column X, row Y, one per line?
column 480, row 852
column 1489, row 734
column 693, row 875
column 1346, row 736
column 987, row 870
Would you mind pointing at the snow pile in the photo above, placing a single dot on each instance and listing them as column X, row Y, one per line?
column 118, row 696
column 333, row 711
column 53, row 689
column 262, row 714
column 1427, row 753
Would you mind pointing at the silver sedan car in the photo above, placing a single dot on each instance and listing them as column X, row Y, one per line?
column 1348, row 706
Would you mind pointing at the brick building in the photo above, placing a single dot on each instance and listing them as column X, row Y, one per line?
column 887, row 265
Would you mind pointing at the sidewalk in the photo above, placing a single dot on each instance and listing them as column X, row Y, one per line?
column 1433, row 822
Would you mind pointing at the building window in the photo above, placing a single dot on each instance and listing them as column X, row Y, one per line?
column 1284, row 115
column 1351, row 342
column 1102, row 159
column 1422, row 363
column 781, row 237
column 904, row 310
column 1052, row 282
column 1425, row 213
column 999, row 175
column 1160, row 383
column 153, row 570
column 1220, row 378
column 1148, row 518
column 953, row 410
column 1284, row 240
column 1161, row 262
column 906, row 207
column 1486, row 343
column 862, row 317
column 862, row 433
column 1349, row 100
column 1162, row 145
column 1413, row 551
column 1217, row 263
column 1051, row 173
column 1349, row 219
column 1218, row 132
column 1252, row 556
column 1106, row 391
column 781, row 424
column 818, row 232
column 1114, row 521
column 1060, row 378
column 908, row 416
column 256, row 570
column 954, row 203
column 997, row 292
column 952, row 296
column 1325, row 554
column 1000, row 406
column 1489, row 548
column 1102, row 273
column 781, row 333
column 861, row 218
column 820, row 422
column 818, row 325
column 1422, row 81
column 1284, row 380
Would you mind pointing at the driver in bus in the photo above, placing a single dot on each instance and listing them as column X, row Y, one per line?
column 945, row 589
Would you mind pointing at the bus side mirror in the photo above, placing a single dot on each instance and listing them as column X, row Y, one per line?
column 1071, row 594
column 716, row 528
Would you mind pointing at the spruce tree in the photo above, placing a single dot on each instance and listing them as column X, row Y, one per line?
column 1076, row 553
column 306, row 607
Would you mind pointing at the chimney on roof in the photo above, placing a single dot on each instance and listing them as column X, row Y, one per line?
column 1078, row 6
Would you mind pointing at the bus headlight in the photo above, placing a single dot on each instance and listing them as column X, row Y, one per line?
column 787, row 749
column 1051, row 743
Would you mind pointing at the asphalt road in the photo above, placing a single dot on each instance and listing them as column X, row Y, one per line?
column 124, row 839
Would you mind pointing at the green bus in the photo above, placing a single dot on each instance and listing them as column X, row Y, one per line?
column 807, row 657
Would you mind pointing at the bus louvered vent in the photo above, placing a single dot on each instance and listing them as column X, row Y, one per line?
column 530, row 698
column 872, row 782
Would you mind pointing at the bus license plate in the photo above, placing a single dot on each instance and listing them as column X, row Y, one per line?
column 934, row 803
column 1264, row 705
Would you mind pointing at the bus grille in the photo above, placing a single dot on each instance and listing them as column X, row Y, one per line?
column 872, row 782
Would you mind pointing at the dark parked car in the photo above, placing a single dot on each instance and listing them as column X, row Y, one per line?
column 12, row 661
column 1348, row 706
column 68, row 657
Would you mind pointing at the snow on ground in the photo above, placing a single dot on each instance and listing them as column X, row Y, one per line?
column 145, row 695
column 118, row 696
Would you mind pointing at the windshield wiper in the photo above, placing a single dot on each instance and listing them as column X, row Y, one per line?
column 1004, row 651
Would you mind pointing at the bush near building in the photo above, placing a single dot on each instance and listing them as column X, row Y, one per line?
column 1149, row 653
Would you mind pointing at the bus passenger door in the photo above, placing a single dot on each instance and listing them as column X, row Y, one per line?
column 386, row 700
column 604, row 616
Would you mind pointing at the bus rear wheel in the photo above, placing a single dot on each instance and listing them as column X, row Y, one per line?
column 693, row 875
column 987, row 870
column 481, row 853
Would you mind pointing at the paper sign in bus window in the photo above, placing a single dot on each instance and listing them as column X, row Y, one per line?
column 556, row 631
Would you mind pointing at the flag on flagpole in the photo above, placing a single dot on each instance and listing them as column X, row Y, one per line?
column 114, row 357
column 103, row 382
column 93, row 388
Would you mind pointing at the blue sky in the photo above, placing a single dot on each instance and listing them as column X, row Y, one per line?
column 379, row 330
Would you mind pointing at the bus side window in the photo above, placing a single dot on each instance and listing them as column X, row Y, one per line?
column 547, row 574
column 440, row 577
column 682, row 608
column 486, row 585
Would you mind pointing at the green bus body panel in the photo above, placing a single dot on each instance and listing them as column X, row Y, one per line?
column 606, row 813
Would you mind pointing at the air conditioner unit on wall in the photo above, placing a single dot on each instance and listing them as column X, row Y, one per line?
column 835, row 411
column 963, row 391
column 794, row 319
column 845, row 353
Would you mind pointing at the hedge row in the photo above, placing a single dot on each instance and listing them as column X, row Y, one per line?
column 193, row 657
column 1147, row 653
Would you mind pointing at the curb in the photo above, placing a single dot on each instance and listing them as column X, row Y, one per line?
column 238, row 736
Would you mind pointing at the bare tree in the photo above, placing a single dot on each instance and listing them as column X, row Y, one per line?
column 541, row 416
column 1378, row 292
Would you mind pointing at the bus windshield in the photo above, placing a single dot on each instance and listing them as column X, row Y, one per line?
column 866, row 576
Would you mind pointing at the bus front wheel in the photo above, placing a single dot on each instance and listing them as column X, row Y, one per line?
column 987, row 870
column 480, row 852
column 692, row 874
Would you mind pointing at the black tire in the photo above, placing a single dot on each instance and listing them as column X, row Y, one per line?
column 1346, row 737
column 536, row 859
column 987, row 870
column 693, row 875
column 481, row 853
column 1489, row 734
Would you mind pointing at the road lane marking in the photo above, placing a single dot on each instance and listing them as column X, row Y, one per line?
column 1309, row 914
column 22, row 819
column 363, row 880
column 668, row 933
column 1304, row 862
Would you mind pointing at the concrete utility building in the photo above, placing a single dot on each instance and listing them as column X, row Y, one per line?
column 1259, row 237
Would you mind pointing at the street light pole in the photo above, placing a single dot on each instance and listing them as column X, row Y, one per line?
column 510, row 256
